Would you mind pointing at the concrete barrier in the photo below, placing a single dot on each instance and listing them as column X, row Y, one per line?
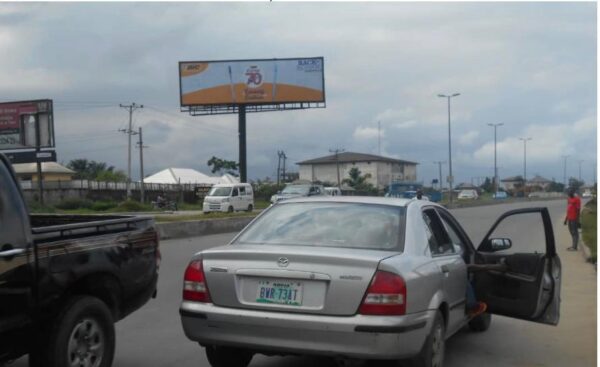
column 201, row 227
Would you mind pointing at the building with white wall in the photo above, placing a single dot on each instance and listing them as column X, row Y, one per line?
column 383, row 170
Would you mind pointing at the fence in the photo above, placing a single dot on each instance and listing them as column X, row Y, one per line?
column 57, row 191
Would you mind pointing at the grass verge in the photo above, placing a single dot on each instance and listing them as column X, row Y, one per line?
column 589, row 223
column 216, row 215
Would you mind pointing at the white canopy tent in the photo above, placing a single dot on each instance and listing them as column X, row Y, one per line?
column 188, row 176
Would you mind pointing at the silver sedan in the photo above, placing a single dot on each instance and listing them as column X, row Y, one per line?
column 362, row 278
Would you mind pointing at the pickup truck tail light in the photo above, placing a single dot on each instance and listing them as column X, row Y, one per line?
column 194, row 283
column 386, row 295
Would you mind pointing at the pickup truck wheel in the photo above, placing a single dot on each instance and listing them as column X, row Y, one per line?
column 481, row 323
column 228, row 356
column 432, row 354
column 83, row 335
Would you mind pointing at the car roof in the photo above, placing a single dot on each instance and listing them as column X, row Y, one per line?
column 361, row 200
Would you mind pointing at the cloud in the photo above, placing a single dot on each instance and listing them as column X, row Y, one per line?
column 363, row 133
column 468, row 138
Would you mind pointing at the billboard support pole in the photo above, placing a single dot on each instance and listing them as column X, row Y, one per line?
column 242, row 135
column 37, row 159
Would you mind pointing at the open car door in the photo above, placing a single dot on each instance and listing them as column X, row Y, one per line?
column 529, row 289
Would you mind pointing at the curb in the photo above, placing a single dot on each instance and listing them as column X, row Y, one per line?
column 201, row 227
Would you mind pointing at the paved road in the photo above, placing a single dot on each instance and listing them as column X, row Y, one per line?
column 153, row 336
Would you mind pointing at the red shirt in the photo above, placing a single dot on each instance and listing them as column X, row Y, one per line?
column 573, row 207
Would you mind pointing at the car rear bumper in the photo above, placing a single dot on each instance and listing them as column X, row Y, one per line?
column 357, row 336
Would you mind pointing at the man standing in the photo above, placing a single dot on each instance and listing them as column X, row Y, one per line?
column 572, row 217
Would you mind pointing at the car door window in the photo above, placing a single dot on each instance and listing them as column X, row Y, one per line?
column 439, row 241
column 453, row 233
column 242, row 191
column 235, row 192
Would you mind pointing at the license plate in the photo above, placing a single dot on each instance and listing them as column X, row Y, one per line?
column 283, row 292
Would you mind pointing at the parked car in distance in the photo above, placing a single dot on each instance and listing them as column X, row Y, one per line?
column 500, row 195
column 587, row 193
column 333, row 191
column 298, row 190
column 229, row 198
column 468, row 195
column 362, row 278
column 65, row 280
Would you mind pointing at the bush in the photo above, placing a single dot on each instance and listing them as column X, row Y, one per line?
column 132, row 206
column 101, row 206
column 71, row 204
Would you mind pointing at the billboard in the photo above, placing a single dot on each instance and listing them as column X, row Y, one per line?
column 265, row 81
column 18, row 123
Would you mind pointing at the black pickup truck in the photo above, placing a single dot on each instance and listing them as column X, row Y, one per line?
column 65, row 280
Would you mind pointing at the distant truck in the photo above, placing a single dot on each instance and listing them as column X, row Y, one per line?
column 408, row 190
column 66, row 279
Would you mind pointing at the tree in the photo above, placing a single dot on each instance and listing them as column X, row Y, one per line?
column 487, row 185
column 555, row 187
column 92, row 170
column 219, row 165
column 359, row 182
column 575, row 184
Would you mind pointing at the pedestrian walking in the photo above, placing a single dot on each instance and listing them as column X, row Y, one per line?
column 572, row 218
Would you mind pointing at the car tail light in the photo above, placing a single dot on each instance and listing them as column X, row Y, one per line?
column 194, row 283
column 386, row 295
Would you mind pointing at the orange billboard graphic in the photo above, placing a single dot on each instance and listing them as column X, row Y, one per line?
column 252, row 81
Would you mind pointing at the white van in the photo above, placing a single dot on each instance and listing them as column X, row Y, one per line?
column 229, row 198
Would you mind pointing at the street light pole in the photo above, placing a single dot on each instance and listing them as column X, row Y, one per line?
column 495, row 157
column 564, row 157
column 450, row 177
column 439, row 163
column 525, row 159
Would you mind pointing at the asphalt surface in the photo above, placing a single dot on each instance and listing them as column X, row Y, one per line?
column 152, row 336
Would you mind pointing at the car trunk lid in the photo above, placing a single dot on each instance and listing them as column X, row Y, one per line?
column 306, row 279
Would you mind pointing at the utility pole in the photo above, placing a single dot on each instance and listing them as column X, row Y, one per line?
column 495, row 158
column 278, row 166
column 439, row 163
column 564, row 157
column 337, row 151
column 580, row 161
column 132, row 107
column 450, row 177
column 141, row 147
column 284, row 157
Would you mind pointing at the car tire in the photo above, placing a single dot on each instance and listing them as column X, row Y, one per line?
column 250, row 208
column 432, row 353
column 83, row 331
column 230, row 209
column 481, row 323
column 228, row 356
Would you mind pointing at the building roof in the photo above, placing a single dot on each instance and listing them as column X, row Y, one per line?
column 187, row 176
column 348, row 157
column 539, row 180
column 47, row 167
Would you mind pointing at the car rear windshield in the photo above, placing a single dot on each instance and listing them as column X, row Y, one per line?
column 220, row 191
column 319, row 224
column 296, row 189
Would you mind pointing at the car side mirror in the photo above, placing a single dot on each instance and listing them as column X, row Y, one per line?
column 497, row 244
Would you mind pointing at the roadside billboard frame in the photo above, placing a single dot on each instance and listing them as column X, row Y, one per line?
column 231, row 108
column 50, row 112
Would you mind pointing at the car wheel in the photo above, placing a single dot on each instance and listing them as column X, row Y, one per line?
column 432, row 354
column 250, row 208
column 230, row 209
column 228, row 356
column 83, row 334
column 481, row 323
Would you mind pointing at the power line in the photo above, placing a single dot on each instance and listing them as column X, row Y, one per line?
column 337, row 151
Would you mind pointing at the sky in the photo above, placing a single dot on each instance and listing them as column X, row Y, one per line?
column 530, row 66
